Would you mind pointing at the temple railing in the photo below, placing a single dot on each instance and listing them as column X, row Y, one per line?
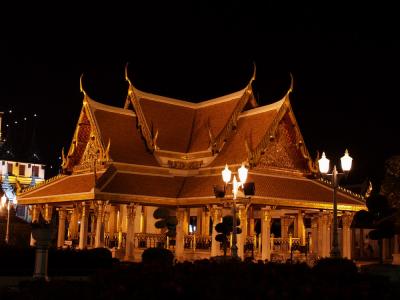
column 117, row 240
column 278, row 245
column 151, row 240
column 283, row 244
column 194, row 241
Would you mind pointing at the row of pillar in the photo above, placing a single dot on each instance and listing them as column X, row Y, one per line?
column 319, row 243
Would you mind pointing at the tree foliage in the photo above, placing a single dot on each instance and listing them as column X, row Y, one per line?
column 390, row 186
column 380, row 217
column 165, row 220
column 224, row 229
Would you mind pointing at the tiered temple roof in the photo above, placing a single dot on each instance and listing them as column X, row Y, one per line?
column 163, row 151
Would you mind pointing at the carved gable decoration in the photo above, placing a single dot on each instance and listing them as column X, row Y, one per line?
column 86, row 149
column 91, row 154
column 284, row 149
column 79, row 142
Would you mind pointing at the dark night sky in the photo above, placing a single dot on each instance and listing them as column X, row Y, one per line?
column 344, row 60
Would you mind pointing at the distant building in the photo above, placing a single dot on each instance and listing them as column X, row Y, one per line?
column 16, row 174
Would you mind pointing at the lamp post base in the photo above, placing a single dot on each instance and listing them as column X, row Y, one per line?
column 335, row 253
column 234, row 250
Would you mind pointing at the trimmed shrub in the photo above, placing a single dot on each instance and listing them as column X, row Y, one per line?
column 157, row 256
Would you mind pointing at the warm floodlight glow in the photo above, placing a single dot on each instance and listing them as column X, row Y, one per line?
column 226, row 174
column 243, row 174
column 346, row 161
column 323, row 164
column 236, row 185
column 3, row 200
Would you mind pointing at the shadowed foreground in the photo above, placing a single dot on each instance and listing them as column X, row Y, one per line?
column 206, row 279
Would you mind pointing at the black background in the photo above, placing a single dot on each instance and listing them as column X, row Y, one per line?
column 344, row 60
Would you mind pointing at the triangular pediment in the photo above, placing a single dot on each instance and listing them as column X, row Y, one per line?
column 283, row 146
column 86, row 150
column 284, row 149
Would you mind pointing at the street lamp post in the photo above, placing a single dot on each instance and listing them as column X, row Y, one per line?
column 323, row 163
column 226, row 177
column 4, row 202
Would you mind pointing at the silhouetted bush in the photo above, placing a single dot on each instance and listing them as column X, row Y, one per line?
column 16, row 260
column 333, row 267
column 21, row 260
column 157, row 256
column 205, row 279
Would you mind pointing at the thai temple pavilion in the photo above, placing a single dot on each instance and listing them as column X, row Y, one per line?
column 156, row 151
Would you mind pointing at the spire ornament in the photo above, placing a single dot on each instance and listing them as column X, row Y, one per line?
column 81, row 86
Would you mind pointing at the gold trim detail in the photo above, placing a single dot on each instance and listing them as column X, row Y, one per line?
column 176, row 164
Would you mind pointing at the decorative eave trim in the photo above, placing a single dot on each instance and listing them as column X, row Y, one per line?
column 58, row 198
column 195, row 201
column 254, row 156
column 305, row 204
column 345, row 192
column 190, row 105
column 218, row 142
column 183, row 103
column 187, row 156
column 42, row 184
column 142, row 126
column 108, row 108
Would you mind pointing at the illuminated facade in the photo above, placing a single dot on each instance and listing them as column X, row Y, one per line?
column 17, row 175
column 123, row 163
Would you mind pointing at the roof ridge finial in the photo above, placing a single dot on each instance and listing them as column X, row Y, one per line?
column 81, row 85
column 291, row 84
column 126, row 74
column 254, row 72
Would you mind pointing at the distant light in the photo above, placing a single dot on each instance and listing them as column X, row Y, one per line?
column 59, row 157
column 35, row 115
column 51, row 167
column 6, row 125
column 10, row 111
column 25, row 118
column 8, row 151
column 16, row 122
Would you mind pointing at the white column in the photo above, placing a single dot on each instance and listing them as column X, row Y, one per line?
column 396, row 251
column 347, row 218
column 62, row 215
column 112, row 222
column 326, row 240
column 84, row 226
column 185, row 221
column 241, row 238
column 35, row 218
column 48, row 211
column 329, row 234
column 266, row 233
column 301, row 230
column 205, row 226
column 179, row 247
column 314, row 235
column 99, row 236
column 251, row 222
column 92, row 229
column 130, row 235
column 73, row 225
column 120, row 217
column 216, row 215
column 320, row 235
column 285, row 223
